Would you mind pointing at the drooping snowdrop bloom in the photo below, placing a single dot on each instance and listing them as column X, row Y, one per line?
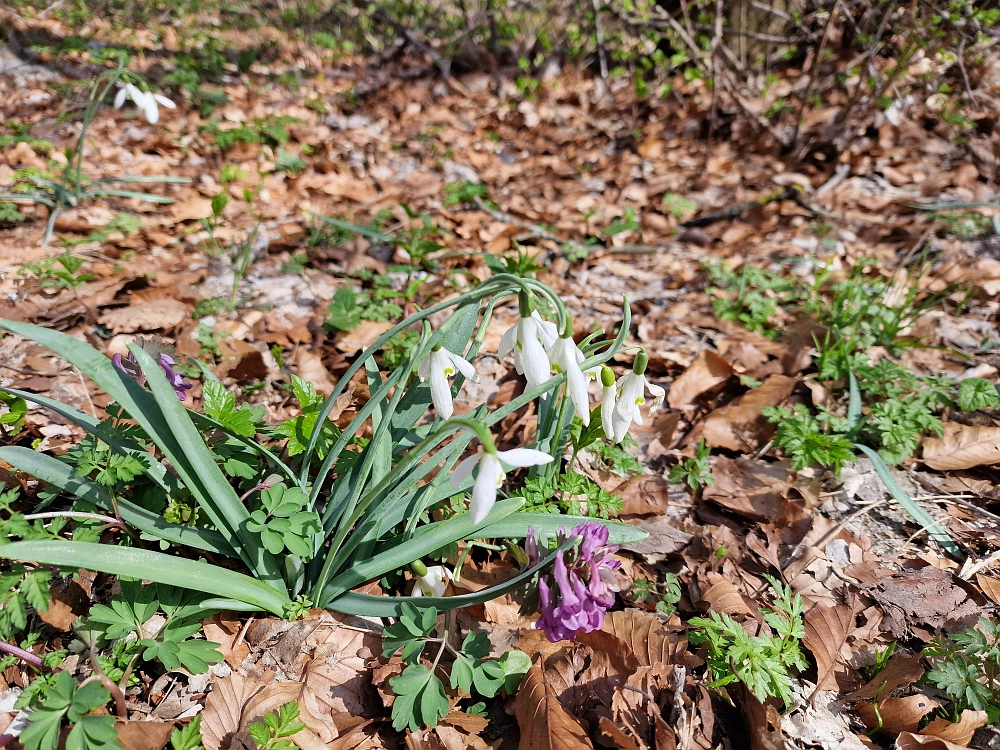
column 526, row 338
column 608, row 396
column 491, row 475
column 440, row 365
column 147, row 102
column 565, row 356
column 575, row 594
column 631, row 393
column 432, row 582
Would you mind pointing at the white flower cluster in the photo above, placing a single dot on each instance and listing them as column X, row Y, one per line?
column 539, row 349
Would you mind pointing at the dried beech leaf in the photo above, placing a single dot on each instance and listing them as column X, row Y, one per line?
column 708, row 371
column 544, row 723
column 959, row 732
column 723, row 597
column 990, row 587
column 649, row 638
column 897, row 715
column 361, row 337
column 910, row 741
column 902, row 670
column 149, row 316
column 143, row 735
column 827, row 629
column 739, row 425
column 962, row 447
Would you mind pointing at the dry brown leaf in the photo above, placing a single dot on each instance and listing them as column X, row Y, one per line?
column 65, row 606
column 895, row 715
column 910, row 741
column 902, row 670
column 754, row 489
column 191, row 209
column 310, row 367
column 643, row 495
column 959, row 732
column 648, row 637
column 723, row 597
column 664, row 537
column 361, row 337
column 148, row 316
column 143, row 735
column 235, row 703
column 544, row 723
column 615, row 737
column 963, row 446
column 708, row 371
column 990, row 587
column 739, row 425
column 826, row 631
column 339, row 674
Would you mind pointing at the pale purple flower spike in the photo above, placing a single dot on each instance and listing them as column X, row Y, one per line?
column 575, row 597
column 155, row 348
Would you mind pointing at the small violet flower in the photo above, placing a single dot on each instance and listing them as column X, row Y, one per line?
column 160, row 351
column 528, row 338
column 566, row 357
column 440, row 365
column 630, row 392
column 575, row 594
column 432, row 582
column 491, row 475
column 145, row 101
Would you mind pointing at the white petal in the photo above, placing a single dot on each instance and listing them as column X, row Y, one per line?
column 576, row 384
column 440, row 390
column 522, row 457
column 607, row 409
column 507, row 341
column 620, row 425
column 120, row 97
column 462, row 365
column 168, row 103
column 484, row 492
column 424, row 368
column 464, row 469
column 658, row 394
column 548, row 332
column 534, row 360
column 152, row 112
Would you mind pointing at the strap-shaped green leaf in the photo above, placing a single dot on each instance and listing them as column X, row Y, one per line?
column 434, row 536
column 352, row 603
column 216, row 492
column 921, row 516
column 150, row 566
column 57, row 473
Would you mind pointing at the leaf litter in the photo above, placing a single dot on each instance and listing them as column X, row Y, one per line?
column 875, row 591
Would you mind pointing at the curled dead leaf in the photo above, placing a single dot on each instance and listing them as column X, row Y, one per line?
column 723, row 597
column 143, row 735
column 707, row 372
column 962, row 447
column 148, row 316
column 902, row 670
column 910, row 741
column 361, row 337
column 739, row 425
column 895, row 715
column 826, row 631
column 959, row 732
column 544, row 723
column 650, row 639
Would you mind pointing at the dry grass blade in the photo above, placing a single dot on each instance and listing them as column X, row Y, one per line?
column 545, row 724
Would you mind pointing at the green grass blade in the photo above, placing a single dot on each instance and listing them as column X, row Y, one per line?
column 854, row 414
column 216, row 493
column 391, row 606
column 57, row 473
column 150, row 566
column 921, row 516
column 436, row 536
column 356, row 228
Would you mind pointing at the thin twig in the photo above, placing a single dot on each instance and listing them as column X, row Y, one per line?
column 814, row 72
column 73, row 514
column 599, row 32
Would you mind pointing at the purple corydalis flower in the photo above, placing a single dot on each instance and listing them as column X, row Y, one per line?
column 160, row 351
column 574, row 595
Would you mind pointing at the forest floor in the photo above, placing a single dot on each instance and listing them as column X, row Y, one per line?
column 601, row 189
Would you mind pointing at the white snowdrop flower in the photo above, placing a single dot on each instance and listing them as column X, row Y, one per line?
column 144, row 101
column 526, row 339
column 549, row 332
column 565, row 356
column 609, row 393
column 440, row 365
column 433, row 582
column 491, row 475
column 631, row 393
